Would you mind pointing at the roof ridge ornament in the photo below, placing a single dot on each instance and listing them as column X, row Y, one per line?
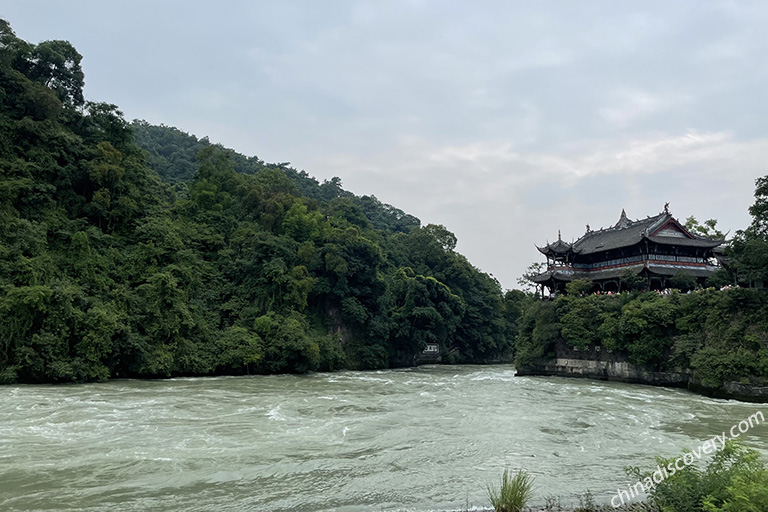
column 559, row 238
column 666, row 208
column 623, row 220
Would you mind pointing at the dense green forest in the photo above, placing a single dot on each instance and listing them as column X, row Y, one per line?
column 185, row 258
column 720, row 333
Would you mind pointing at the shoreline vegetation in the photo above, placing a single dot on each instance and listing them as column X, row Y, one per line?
column 713, row 342
column 140, row 251
column 733, row 479
column 640, row 506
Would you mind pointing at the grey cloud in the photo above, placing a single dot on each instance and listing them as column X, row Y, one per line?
column 501, row 120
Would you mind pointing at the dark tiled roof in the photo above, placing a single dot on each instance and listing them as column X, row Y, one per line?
column 558, row 275
column 570, row 275
column 627, row 233
column 688, row 242
column 623, row 234
column 613, row 273
column 670, row 271
column 558, row 247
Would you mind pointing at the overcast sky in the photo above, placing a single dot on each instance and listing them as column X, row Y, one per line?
column 504, row 121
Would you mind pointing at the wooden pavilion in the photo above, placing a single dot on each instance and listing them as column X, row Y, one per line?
column 655, row 248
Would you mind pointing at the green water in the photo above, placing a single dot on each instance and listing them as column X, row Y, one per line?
column 417, row 440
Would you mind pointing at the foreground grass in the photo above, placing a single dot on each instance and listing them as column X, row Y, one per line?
column 735, row 479
column 514, row 493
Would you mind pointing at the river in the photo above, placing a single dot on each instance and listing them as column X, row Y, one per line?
column 429, row 438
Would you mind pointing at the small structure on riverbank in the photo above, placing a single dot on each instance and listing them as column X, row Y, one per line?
column 430, row 354
column 655, row 248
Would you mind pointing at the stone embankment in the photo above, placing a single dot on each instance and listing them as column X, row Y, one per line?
column 596, row 364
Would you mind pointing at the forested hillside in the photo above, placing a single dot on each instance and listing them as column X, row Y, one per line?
column 719, row 334
column 173, row 153
column 189, row 259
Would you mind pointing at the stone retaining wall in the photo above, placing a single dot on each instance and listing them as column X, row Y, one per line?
column 622, row 371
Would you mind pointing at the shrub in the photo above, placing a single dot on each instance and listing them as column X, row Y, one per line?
column 631, row 281
column 682, row 281
column 745, row 494
column 581, row 320
column 514, row 493
column 539, row 331
column 579, row 287
column 719, row 278
column 735, row 480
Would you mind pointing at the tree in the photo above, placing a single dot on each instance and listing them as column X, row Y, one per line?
column 515, row 303
column 682, row 281
column 750, row 261
column 718, row 279
column 632, row 281
column 11, row 47
column 240, row 348
column 579, row 287
column 707, row 229
column 425, row 312
column 105, row 122
column 759, row 210
column 579, row 324
column 56, row 65
column 539, row 331
column 748, row 251
column 646, row 327
column 526, row 280
column 442, row 236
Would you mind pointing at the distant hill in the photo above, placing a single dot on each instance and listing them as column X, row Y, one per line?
column 173, row 153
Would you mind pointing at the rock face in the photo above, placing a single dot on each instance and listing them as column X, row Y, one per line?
column 735, row 390
column 595, row 364
column 606, row 370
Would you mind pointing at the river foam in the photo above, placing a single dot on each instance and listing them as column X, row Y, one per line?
column 420, row 439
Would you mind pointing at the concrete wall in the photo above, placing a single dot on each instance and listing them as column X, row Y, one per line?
column 621, row 371
column 615, row 369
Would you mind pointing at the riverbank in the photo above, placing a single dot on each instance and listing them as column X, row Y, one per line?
column 616, row 369
column 583, row 507
column 633, row 507
column 714, row 343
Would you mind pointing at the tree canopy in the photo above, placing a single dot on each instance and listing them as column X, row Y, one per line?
column 128, row 249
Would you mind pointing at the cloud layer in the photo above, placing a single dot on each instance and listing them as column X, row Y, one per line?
column 503, row 121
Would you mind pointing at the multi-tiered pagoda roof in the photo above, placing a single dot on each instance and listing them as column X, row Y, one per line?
column 656, row 247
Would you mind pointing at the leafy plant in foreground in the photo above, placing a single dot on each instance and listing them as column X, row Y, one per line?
column 735, row 480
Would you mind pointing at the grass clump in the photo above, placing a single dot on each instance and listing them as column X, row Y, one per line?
column 586, row 502
column 515, row 492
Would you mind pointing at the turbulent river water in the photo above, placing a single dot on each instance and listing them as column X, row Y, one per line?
column 420, row 439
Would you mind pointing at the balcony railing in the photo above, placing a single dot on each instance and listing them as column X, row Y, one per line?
column 667, row 258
